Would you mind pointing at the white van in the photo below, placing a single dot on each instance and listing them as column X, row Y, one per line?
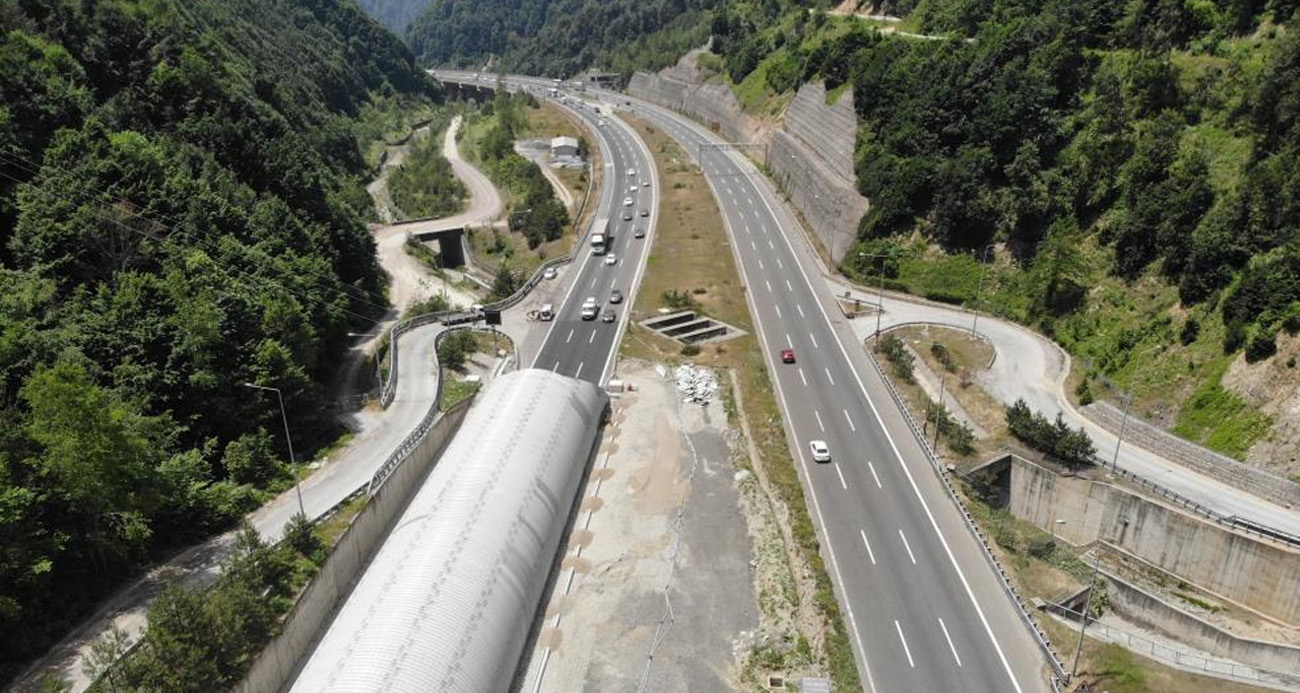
column 546, row 312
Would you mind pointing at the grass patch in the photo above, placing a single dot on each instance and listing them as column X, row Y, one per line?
column 689, row 246
column 456, row 391
column 1219, row 419
column 329, row 531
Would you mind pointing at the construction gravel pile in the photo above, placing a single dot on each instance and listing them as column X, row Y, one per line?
column 695, row 384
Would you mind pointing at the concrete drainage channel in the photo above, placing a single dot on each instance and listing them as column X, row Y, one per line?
column 690, row 327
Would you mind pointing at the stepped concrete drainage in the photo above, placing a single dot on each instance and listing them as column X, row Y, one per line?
column 690, row 327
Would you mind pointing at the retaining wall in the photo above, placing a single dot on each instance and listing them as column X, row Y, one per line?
column 1149, row 611
column 278, row 662
column 1255, row 573
column 811, row 157
column 1193, row 456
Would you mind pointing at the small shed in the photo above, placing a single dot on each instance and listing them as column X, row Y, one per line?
column 564, row 146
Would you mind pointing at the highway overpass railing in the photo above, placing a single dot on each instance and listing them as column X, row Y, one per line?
column 1059, row 675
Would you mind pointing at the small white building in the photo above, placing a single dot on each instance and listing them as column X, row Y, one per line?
column 564, row 146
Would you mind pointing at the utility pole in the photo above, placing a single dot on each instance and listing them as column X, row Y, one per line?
column 1083, row 621
column 1128, row 402
column 880, row 286
column 938, row 413
column 293, row 462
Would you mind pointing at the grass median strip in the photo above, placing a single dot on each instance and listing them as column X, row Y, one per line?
column 689, row 265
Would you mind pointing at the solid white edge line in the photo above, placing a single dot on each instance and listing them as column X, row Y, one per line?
column 651, row 224
column 899, row 456
column 893, row 446
column 903, row 640
column 606, row 150
column 803, row 460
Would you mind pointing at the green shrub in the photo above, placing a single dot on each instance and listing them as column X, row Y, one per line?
column 690, row 350
column 1260, row 347
column 1191, row 330
column 898, row 357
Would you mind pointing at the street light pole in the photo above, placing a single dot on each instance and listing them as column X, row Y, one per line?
column 880, row 286
column 938, row 413
column 1128, row 402
column 293, row 462
column 1083, row 620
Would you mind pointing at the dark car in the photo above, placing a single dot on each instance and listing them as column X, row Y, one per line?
column 645, row 212
column 639, row 233
column 627, row 216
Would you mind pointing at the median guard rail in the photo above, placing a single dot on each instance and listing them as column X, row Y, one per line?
column 1060, row 677
column 416, row 436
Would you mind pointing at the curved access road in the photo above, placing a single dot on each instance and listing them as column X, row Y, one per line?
column 411, row 280
column 1031, row 367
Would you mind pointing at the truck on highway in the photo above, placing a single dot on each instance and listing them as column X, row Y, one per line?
column 601, row 236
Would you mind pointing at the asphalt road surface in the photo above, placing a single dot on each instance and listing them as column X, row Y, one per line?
column 584, row 349
column 918, row 623
column 922, row 606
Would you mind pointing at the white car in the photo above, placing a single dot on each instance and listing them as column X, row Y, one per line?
column 549, row 273
column 611, row 259
column 590, row 308
column 820, row 453
column 631, row 172
column 627, row 202
column 601, row 122
column 632, row 190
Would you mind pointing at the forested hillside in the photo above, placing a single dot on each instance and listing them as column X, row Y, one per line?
column 180, row 213
column 558, row 37
column 395, row 14
column 1136, row 163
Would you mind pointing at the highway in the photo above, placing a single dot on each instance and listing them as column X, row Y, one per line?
column 584, row 349
column 910, row 604
column 924, row 609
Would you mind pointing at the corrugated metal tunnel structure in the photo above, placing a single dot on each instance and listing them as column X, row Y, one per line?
column 447, row 602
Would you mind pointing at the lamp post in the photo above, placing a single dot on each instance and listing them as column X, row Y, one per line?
column 293, row 463
column 880, row 286
column 1128, row 401
column 1083, row 616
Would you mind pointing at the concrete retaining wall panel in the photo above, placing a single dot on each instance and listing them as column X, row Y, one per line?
column 1147, row 610
column 1254, row 573
column 276, row 665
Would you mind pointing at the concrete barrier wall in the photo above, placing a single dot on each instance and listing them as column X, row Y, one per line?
column 831, row 206
column 1188, row 454
column 311, row 615
column 1254, row 573
column 1145, row 609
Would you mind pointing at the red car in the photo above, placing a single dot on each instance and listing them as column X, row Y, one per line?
column 787, row 356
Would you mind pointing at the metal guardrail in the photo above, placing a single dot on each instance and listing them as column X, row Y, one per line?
column 416, row 436
column 1190, row 661
column 1230, row 521
column 1060, row 677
